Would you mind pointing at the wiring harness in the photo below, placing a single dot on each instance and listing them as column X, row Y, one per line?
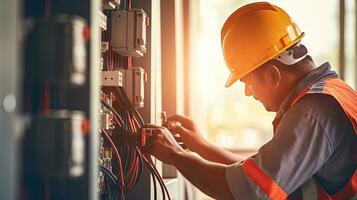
column 126, row 142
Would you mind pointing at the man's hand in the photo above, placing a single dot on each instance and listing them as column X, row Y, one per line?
column 163, row 145
column 207, row 176
column 192, row 138
column 187, row 130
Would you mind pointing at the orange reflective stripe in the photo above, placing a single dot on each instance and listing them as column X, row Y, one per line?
column 265, row 183
column 299, row 96
column 321, row 193
column 345, row 96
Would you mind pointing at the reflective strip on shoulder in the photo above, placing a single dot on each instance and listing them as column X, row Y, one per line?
column 265, row 183
column 344, row 94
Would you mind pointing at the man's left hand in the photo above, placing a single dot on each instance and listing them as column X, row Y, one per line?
column 163, row 145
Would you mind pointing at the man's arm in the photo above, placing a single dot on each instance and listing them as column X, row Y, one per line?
column 217, row 154
column 192, row 138
column 207, row 176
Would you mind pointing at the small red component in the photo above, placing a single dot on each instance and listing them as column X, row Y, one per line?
column 145, row 77
column 86, row 33
column 85, row 127
column 143, row 138
column 147, row 21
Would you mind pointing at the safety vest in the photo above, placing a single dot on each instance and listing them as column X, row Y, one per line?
column 311, row 189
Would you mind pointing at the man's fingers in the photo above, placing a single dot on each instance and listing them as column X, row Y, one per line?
column 180, row 130
column 185, row 121
column 152, row 140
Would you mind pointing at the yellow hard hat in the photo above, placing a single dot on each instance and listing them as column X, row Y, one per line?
column 255, row 34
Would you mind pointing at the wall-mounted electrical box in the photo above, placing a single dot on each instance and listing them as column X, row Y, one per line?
column 129, row 32
column 135, row 79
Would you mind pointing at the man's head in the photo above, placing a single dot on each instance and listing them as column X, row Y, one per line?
column 260, row 44
column 273, row 81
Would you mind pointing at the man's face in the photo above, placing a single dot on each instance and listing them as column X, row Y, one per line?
column 261, row 89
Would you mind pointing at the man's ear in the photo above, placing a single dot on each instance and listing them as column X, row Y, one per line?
column 273, row 74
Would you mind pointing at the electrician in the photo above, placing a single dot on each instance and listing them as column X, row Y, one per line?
column 312, row 154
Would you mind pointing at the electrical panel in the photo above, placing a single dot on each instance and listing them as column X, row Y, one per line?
column 129, row 32
column 56, row 144
column 55, row 70
column 122, row 133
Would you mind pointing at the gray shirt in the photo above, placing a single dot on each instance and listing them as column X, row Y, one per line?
column 315, row 138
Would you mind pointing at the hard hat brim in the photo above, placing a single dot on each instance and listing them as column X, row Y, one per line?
column 234, row 77
column 231, row 79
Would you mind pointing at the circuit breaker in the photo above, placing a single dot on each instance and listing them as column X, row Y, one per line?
column 129, row 32
column 135, row 79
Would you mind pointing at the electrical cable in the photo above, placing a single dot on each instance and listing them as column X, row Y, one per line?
column 116, row 153
column 115, row 113
column 154, row 184
column 129, row 4
column 159, row 178
column 140, row 123
column 133, row 160
column 140, row 163
column 108, row 188
column 110, row 175
column 154, row 172
column 126, row 102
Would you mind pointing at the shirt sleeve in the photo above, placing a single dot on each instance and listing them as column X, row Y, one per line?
column 300, row 147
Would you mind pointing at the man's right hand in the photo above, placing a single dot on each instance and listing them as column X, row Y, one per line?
column 188, row 132
column 194, row 141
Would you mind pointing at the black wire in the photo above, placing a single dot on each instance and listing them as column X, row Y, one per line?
column 108, row 188
column 128, row 151
column 110, row 175
column 125, row 103
column 134, row 113
column 150, row 167
column 155, row 187
column 140, row 170
column 121, row 93
column 115, row 196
